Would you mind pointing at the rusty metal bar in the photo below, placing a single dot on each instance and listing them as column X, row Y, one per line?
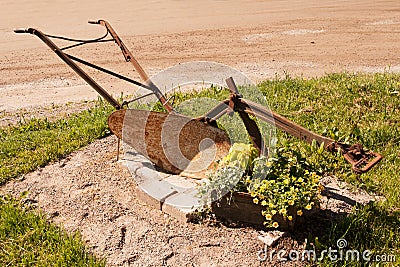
column 283, row 123
column 271, row 117
column 119, row 76
column 250, row 124
column 73, row 65
column 130, row 58
column 232, row 86
column 125, row 51
column 218, row 111
column 360, row 160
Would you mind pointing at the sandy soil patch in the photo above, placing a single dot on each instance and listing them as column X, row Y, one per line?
column 261, row 39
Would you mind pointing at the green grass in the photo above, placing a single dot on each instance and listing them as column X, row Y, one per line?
column 361, row 108
column 33, row 144
column 354, row 108
column 27, row 239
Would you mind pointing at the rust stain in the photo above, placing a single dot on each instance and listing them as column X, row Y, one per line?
column 170, row 141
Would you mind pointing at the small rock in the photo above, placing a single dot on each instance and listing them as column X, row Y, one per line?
column 54, row 214
column 271, row 237
column 21, row 178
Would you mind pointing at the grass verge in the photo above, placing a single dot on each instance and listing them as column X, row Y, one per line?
column 27, row 239
column 33, row 144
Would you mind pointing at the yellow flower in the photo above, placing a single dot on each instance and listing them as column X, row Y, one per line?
column 286, row 181
column 275, row 225
column 271, row 205
column 255, row 200
column 315, row 177
column 253, row 194
column 273, row 212
column 308, row 207
column 300, row 180
column 291, row 202
column 268, row 217
column 282, row 211
column 299, row 212
column 320, row 187
column 290, row 218
column 263, row 203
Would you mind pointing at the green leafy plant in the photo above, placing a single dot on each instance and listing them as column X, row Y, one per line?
column 284, row 185
column 240, row 155
column 229, row 175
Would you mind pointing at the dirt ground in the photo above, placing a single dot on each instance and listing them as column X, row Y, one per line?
column 90, row 192
column 259, row 38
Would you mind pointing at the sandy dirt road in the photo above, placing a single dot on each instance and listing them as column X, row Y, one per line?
column 259, row 38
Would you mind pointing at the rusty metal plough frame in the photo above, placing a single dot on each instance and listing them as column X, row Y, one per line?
column 360, row 159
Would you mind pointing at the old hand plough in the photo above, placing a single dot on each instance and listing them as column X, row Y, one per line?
column 185, row 147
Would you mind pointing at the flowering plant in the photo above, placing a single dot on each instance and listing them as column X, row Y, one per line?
column 284, row 185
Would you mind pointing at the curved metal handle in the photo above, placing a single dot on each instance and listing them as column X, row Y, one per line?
column 21, row 30
column 94, row 22
column 130, row 58
column 72, row 64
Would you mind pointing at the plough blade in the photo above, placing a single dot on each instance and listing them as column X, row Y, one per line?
column 176, row 143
